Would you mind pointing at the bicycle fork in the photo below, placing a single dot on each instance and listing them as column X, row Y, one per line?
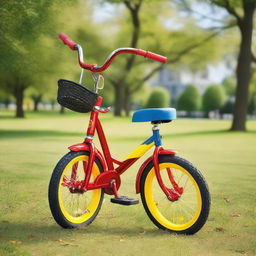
column 174, row 193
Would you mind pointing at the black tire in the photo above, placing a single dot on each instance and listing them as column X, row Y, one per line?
column 53, row 192
column 152, row 207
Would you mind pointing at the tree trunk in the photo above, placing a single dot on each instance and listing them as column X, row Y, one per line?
column 36, row 105
column 134, row 42
column 52, row 104
column 62, row 110
column 243, row 70
column 36, row 100
column 118, row 100
column 120, row 86
column 19, row 97
column 126, row 104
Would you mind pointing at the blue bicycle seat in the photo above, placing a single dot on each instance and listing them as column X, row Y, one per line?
column 162, row 115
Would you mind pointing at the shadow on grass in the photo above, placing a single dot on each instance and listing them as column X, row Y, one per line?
column 127, row 231
column 9, row 134
column 30, row 232
column 7, row 117
column 9, row 114
column 186, row 134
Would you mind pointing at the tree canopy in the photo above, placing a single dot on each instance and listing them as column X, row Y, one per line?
column 158, row 98
column 22, row 26
column 213, row 98
column 190, row 99
column 33, row 58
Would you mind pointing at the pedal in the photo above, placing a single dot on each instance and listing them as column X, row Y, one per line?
column 124, row 200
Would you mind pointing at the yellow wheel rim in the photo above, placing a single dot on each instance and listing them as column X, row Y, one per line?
column 178, row 215
column 78, row 208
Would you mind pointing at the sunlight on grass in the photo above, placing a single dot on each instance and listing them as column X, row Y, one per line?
column 30, row 148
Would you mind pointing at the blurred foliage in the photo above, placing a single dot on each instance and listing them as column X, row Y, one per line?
column 232, row 3
column 5, row 98
column 190, row 99
column 227, row 108
column 239, row 14
column 137, row 100
column 213, row 98
column 229, row 85
column 252, row 88
column 252, row 96
column 36, row 59
column 188, row 46
column 23, row 26
column 158, row 98
column 252, row 105
column 242, row 12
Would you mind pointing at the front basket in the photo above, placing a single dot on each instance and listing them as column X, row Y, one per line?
column 76, row 97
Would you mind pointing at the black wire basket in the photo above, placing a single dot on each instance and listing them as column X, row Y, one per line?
column 76, row 97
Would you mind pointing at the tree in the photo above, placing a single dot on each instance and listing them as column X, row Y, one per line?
column 213, row 98
column 36, row 94
column 240, row 15
column 243, row 12
column 229, row 86
column 22, row 25
column 228, row 107
column 5, row 98
column 156, row 37
column 158, row 98
column 190, row 99
column 119, row 82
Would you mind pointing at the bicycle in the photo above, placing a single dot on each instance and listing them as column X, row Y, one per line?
column 174, row 193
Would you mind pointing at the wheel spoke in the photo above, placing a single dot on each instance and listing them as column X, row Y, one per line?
column 67, row 196
column 186, row 205
column 182, row 214
column 76, row 204
column 186, row 183
column 73, row 205
column 175, row 210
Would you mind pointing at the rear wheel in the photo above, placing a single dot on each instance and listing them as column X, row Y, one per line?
column 70, row 207
column 189, row 212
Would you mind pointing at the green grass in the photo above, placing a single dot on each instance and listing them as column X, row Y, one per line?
column 30, row 148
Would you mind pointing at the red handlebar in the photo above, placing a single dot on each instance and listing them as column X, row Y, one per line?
column 94, row 68
column 66, row 40
column 150, row 55
column 146, row 54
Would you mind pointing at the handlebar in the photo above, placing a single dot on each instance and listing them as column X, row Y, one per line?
column 66, row 40
column 95, row 68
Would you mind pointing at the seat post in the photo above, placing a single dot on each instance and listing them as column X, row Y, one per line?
column 156, row 134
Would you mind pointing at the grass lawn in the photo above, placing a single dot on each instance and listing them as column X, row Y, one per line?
column 30, row 148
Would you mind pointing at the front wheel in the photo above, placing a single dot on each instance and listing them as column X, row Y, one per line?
column 188, row 213
column 71, row 207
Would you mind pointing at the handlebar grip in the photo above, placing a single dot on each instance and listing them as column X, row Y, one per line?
column 156, row 57
column 151, row 55
column 66, row 40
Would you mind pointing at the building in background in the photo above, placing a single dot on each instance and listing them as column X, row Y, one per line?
column 176, row 81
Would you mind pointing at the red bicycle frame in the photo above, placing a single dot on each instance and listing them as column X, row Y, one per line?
column 110, row 178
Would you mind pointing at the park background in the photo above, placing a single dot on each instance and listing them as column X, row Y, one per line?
column 210, row 78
